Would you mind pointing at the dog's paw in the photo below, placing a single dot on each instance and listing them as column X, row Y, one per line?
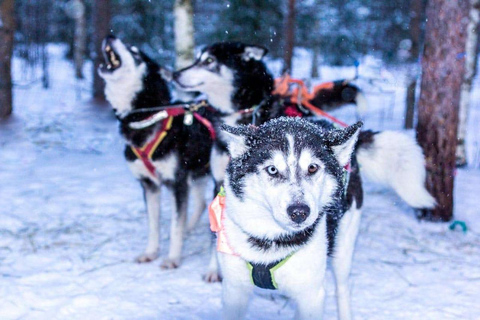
column 212, row 276
column 168, row 264
column 146, row 257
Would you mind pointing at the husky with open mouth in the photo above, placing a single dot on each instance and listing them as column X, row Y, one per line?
column 238, row 84
column 289, row 202
column 173, row 151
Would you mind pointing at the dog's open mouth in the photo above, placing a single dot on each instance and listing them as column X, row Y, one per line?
column 112, row 59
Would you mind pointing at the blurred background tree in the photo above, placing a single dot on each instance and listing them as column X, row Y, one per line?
column 341, row 32
column 7, row 29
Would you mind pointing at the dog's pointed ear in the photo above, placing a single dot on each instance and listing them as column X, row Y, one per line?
column 236, row 139
column 254, row 52
column 343, row 142
column 166, row 74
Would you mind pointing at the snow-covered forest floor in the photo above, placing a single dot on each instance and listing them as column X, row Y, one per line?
column 72, row 220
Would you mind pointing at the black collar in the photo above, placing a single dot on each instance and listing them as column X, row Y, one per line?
column 285, row 241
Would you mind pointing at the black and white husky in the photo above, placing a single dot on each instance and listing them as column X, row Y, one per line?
column 174, row 154
column 329, row 96
column 237, row 83
column 289, row 204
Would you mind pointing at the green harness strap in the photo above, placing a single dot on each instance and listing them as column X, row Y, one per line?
column 263, row 275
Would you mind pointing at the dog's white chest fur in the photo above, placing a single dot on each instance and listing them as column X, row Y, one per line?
column 121, row 92
column 304, row 268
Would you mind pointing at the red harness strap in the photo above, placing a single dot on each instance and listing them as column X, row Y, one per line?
column 145, row 153
column 207, row 124
column 173, row 112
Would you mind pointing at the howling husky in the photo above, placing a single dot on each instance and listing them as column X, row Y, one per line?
column 173, row 151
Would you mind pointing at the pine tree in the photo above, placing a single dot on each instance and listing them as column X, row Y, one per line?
column 101, row 18
column 417, row 12
column 289, row 37
column 7, row 28
column 443, row 66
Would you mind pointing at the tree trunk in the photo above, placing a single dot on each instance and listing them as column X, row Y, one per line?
column 417, row 11
column 42, row 11
column 411, row 95
column 7, row 28
column 470, row 70
column 314, row 73
column 289, row 37
column 443, row 66
column 184, row 39
column 184, row 33
column 76, row 11
column 101, row 20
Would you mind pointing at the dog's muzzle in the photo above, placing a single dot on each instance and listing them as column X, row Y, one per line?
column 298, row 212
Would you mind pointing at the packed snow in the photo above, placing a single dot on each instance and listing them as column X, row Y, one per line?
column 73, row 220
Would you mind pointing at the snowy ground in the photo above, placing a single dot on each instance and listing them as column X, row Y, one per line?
column 72, row 221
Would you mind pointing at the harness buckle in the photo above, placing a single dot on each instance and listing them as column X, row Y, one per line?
column 188, row 118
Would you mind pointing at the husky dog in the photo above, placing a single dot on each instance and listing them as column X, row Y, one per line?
column 167, row 152
column 326, row 96
column 234, row 80
column 288, row 204
column 237, row 83
column 335, row 94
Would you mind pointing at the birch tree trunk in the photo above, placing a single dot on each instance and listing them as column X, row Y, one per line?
column 470, row 70
column 443, row 67
column 314, row 72
column 289, row 37
column 7, row 28
column 184, row 38
column 75, row 9
column 101, row 20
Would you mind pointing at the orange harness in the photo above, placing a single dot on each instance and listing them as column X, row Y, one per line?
column 216, row 215
column 301, row 95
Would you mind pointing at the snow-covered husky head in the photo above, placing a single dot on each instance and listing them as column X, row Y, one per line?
column 229, row 73
column 284, row 174
column 132, row 78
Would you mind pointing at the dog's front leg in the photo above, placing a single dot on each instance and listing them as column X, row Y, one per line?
column 151, row 192
column 310, row 300
column 179, row 203
column 342, row 260
column 213, row 273
column 235, row 298
column 198, row 194
column 236, row 287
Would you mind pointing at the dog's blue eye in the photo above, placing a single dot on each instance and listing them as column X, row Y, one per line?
column 312, row 168
column 271, row 170
column 209, row 60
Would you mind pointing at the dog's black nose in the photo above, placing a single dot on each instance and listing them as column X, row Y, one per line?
column 298, row 212
column 110, row 37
